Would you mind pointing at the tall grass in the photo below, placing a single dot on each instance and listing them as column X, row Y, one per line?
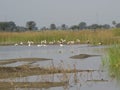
column 114, row 61
column 117, row 32
column 104, row 36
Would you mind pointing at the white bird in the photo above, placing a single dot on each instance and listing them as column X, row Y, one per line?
column 39, row 45
column 29, row 43
column 44, row 45
column 16, row 44
column 61, row 45
column 21, row 43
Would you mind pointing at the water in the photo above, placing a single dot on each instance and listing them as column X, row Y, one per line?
column 56, row 53
column 61, row 57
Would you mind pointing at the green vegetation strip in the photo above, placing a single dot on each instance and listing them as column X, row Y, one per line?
column 94, row 36
column 114, row 61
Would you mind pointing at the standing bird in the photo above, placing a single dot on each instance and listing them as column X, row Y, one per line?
column 21, row 43
column 30, row 42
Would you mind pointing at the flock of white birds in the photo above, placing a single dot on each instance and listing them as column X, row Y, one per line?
column 60, row 42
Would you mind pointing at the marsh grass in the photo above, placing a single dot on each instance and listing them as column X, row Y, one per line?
column 116, row 32
column 94, row 36
column 113, row 61
column 27, row 70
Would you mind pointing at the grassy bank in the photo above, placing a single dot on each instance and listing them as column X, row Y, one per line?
column 94, row 37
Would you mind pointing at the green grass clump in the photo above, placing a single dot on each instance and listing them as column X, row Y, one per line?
column 114, row 61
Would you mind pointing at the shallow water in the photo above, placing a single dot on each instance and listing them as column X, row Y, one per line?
column 61, row 58
column 55, row 52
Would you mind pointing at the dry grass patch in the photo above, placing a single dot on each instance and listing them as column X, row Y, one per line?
column 26, row 70
column 11, row 85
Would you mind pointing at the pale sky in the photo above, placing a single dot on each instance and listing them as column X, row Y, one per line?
column 70, row 12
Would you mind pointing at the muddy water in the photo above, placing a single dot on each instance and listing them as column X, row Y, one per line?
column 61, row 58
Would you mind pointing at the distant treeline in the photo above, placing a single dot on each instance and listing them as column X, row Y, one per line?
column 31, row 26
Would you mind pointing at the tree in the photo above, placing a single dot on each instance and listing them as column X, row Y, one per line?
column 3, row 26
column 44, row 28
column 74, row 27
column 114, row 23
column 82, row 25
column 106, row 26
column 64, row 27
column 11, row 25
column 118, row 25
column 94, row 26
column 31, row 25
column 52, row 26
column 7, row 26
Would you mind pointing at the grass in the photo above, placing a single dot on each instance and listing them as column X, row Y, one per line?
column 104, row 36
column 113, row 61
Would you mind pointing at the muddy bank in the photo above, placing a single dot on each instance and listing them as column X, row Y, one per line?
column 24, row 71
column 8, row 85
column 83, row 56
column 101, row 80
column 32, row 60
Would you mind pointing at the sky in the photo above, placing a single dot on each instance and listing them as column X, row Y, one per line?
column 69, row 12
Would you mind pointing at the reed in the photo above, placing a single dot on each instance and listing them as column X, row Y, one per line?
column 104, row 36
